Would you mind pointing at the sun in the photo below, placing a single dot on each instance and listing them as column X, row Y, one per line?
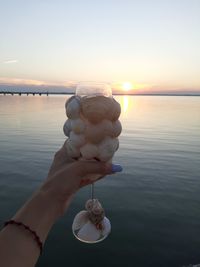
column 127, row 86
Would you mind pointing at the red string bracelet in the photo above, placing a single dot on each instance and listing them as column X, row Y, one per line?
column 26, row 227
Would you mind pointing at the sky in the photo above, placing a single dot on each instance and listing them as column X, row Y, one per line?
column 153, row 45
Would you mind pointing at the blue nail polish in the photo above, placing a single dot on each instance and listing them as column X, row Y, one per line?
column 116, row 168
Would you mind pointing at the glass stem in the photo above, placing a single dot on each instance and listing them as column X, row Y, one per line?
column 92, row 191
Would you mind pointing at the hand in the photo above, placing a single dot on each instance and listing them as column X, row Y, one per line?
column 66, row 176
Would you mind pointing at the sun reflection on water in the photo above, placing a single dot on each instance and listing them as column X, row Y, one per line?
column 125, row 103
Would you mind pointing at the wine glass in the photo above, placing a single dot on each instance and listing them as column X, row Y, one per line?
column 92, row 90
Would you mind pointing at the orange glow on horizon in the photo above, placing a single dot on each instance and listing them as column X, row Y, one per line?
column 127, row 86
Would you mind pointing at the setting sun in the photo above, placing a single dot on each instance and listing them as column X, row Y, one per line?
column 127, row 86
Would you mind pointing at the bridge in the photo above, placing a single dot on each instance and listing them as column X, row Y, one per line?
column 33, row 93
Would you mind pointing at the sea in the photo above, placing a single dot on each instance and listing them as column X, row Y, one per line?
column 153, row 205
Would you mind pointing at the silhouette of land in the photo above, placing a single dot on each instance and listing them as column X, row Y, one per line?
column 40, row 93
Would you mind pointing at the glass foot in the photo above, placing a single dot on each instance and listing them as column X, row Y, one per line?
column 91, row 225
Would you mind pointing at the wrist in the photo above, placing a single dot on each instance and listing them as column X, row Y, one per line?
column 39, row 213
column 54, row 197
column 48, row 203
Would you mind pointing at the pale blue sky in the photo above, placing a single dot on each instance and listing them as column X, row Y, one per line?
column 151, row 43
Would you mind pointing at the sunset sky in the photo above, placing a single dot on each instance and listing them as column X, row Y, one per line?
column 146, row 45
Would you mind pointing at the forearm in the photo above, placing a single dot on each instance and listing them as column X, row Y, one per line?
column 17, row 245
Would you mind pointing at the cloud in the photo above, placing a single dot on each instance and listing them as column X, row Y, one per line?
column 10, row 61
column 18, row 81
column 29, row 85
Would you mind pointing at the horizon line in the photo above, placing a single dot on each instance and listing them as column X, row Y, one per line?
column 120, row 94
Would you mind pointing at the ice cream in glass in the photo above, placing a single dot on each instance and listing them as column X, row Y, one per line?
column 92, row 129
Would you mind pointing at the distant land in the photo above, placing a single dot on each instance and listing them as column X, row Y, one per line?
column 44, row 89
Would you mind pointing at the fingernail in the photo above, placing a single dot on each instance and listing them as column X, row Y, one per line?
column 116, row 168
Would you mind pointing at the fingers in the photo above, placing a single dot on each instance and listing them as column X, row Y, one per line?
column 85, row 182
column 87, row 171
column 83, row 168
column 61, row 158
column 62, row 154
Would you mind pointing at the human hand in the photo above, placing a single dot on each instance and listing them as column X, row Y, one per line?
column 41, row 211
column 66, row 176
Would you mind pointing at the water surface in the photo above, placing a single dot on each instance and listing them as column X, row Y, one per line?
column 154, row 205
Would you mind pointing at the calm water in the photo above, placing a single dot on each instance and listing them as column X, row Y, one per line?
column 154, row 205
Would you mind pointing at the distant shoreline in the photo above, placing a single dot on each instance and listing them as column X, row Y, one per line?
column 71, row 93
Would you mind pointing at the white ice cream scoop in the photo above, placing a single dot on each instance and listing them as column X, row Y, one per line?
column 92, row 139
column 89, row 151
column 96, row 109
column 117, row 128
column 67, row 127
column 77, row 140
column 114, row 111
column 77, row 126
column 73, row 107
column 72, row 150
column 107, row 148
column 95, row 133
